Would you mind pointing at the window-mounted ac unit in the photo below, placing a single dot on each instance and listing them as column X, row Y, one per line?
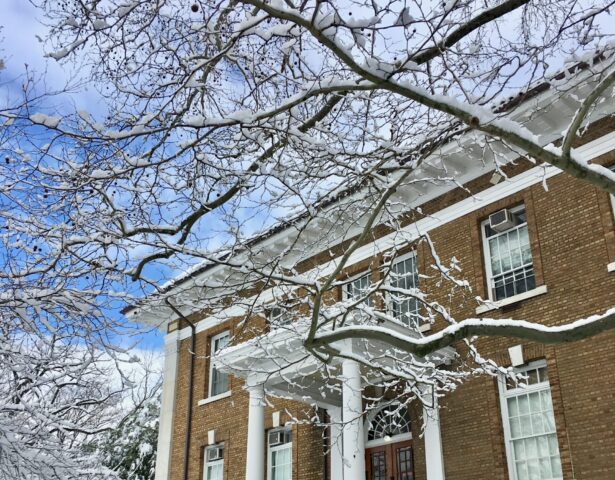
column 215, row 453
column 276, row 438
column 501, row 221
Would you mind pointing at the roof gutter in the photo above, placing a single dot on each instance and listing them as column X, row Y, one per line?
column 190, row 384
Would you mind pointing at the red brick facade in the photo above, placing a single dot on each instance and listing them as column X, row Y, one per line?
column 572, row 234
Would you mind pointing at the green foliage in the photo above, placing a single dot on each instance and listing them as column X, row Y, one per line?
column 130, row 449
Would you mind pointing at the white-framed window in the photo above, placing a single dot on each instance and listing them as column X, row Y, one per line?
column 404, row 275
column 278, row 316
column 218, row 380
column 357, row 287
column 529, row 426
column 279, row 454
column 508, row 257
column 214, row 462
column 613, row 196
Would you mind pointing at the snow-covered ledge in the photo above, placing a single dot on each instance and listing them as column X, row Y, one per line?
column 611, row 267
column 510, row 300
column 205, row 401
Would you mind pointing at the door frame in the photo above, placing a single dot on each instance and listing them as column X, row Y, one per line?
column 390, row 449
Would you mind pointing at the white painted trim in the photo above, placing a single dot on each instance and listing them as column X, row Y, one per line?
column 372, row 414
column 207, row 463
column 167, row 407
column 349, row 281
column 553, row 112
column 425, row 327
column 205, row 401
column 353, row 436
column 394, row 439
column 212, row 340
column 434, row 456
column 411, row 232
column 488, row 306
column 610, row 267
column 504, row 395
column 388, row 301
column 487, row 248
column 271, row 450
column 255, row 441
column 336, row 454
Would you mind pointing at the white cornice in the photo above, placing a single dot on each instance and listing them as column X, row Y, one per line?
column 509, row 187
column 550, row 117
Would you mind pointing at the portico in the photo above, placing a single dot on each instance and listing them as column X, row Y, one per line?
column 300, row 378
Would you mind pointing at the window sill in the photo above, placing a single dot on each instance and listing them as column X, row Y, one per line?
column 205, row 401
column 425, row 327
column 487, row 307
column 610, row 267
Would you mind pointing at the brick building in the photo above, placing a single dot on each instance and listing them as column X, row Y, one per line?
column 548, row 257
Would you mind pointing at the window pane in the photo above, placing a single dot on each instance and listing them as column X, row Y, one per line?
column 496, row 267
column 526, row 425
column 535, row 402
column 404, row 276
column 281, row 462
column 214, row 470
column 532, row 377
column 543, row 447
column 510, row 257
column 218, row 380
column 515, row 428
column 533, row 441
column 378, row 466
column 504, row 252
column 358, row 288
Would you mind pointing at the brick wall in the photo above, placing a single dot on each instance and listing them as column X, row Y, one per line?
column 572, row 236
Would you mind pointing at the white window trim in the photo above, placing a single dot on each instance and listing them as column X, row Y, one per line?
column 489, row 305
column 271, row 450
column 425, row 326
column 212, row 341
column 349, row 281
column 270, row 318
column 382, row 441
column 207, row 400
column 611, row 266
column 612, row 168
column 487, row 258
column 215, row 462
column 504, row 395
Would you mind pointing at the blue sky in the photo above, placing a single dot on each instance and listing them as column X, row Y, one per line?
column 21, row 47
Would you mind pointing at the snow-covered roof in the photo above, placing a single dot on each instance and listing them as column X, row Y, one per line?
column 539, row 96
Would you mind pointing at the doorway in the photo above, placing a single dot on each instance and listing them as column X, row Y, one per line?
column 392, row 461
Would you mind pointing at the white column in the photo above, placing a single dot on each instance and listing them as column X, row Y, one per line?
column 255, row 458
column 167, row 406
column 337, row 454
column 352, row 418
column 434, row 458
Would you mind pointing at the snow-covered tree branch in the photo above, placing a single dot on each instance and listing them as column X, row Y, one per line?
column 221, row 125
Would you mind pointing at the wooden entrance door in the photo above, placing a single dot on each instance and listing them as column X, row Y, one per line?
column 390, row 462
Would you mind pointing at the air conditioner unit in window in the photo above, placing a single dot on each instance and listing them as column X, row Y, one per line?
column 215, row 453
column 501, row 221
column 276, row 438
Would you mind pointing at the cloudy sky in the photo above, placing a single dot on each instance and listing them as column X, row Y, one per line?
column 21, row 48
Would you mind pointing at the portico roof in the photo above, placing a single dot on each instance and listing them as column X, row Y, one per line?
column 279, row 361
